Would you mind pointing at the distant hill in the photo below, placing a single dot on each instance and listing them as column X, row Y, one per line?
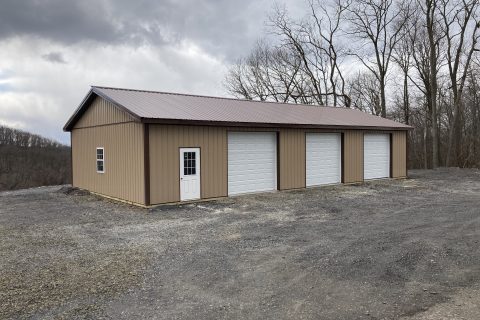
column 29, row 160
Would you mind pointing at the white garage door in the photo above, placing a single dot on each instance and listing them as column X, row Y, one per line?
column 376, row 156
column 252, row 162
column 324, row 158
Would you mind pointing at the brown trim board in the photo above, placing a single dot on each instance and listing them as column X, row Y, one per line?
column 305, row 164
column 277, row 136
column 342, row 157
column 104, row 125
column 363, row 157
column 390, row 135
column 265, row 125
column 407, row 153
column 71, row 158
column 146, row 161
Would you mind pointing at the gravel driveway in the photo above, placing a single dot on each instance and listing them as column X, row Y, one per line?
column 404, row 249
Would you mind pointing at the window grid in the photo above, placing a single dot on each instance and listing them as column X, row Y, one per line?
column 100, row 160
column 189, row 163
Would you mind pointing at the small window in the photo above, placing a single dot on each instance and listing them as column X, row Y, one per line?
column 189, row 163
column 100, row 160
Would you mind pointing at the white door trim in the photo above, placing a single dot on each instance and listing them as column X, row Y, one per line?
column 189, row 175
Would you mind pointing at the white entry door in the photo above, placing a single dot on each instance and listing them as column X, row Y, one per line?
column 252, row 162
column 324, row 158
column 376, row 149
column 189, row 173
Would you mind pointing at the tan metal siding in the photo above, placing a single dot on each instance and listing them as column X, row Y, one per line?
column 104, row 125
column 102, row 112
column 165, row 142
column 353, row 156
column 292, row 158
column 399, row 154
column 124, row 163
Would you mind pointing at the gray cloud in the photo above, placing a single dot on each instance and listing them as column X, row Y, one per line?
column 170, row 45
column 55, row 57
column 224, row 27
column 63, row 21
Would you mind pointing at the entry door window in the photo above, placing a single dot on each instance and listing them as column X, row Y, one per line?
column 189, row 163
column 189, row 173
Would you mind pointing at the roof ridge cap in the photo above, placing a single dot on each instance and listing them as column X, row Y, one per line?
column 224, row 98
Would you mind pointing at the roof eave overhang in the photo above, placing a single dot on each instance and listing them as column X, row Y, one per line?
column 94, row 92
column 269, row 125
column 91, row 95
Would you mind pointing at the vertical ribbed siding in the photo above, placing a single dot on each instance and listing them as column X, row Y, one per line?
column 124, row 163
column 166, row 140
column 165, row 144
column 102, row 112
column 292, row 158
column 353, row 156
column 104, row 125
column 399, row 154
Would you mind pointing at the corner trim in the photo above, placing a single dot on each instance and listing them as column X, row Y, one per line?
column 342, row 157
column 71, row 158
column 279, row 185
column 146, row 162
column 391, row 155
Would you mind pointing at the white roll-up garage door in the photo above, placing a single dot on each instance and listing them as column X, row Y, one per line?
column 252, row 162
column 324, row 158
column 376, row 156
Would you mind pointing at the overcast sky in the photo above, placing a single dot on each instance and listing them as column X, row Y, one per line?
column 51, row 51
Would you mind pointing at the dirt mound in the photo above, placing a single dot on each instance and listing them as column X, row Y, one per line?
column 73, row 191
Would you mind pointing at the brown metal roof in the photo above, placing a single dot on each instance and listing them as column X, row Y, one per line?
column 150, row 106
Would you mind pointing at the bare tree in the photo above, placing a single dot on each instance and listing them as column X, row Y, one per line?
column 402, row 56
column 377, row 26
column 425, row 40
column 363, row 90
column 460, row 27
column 266, row 74
column 321, row 35
column 309, row 58
column 432, row 44
column 428, row 10
column 473, row 118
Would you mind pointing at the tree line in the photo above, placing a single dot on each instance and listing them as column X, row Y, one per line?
column 29, row 160
column 414, row 61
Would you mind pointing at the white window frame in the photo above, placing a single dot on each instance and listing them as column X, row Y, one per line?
column 103, row 160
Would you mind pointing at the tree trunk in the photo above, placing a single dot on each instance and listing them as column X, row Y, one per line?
column 406, row 102
column 433, row 87
column 383, row 102
column 452, row 160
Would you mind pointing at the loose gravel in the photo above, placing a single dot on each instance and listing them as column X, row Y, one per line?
column 389, row 249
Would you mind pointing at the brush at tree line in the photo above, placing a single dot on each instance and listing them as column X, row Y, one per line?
column 29, row 160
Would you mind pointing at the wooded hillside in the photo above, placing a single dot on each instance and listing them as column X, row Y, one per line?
column 28, row 160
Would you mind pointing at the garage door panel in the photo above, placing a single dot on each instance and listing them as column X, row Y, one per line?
column 376, row 156
column 252, row 162
column 323, row 158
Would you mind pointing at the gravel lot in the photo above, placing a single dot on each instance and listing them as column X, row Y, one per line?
column 406, row 249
